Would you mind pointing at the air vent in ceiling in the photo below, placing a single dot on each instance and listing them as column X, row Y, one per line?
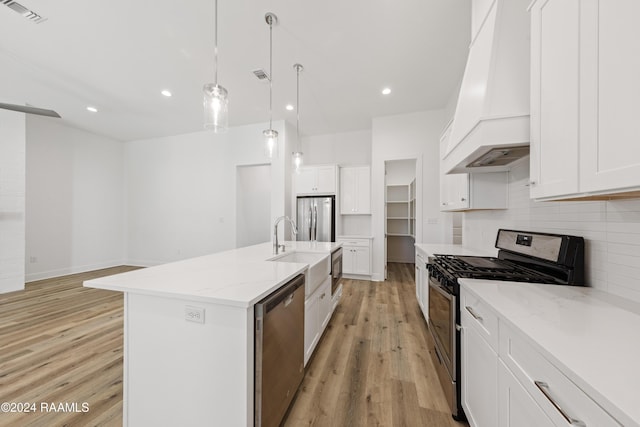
column 27, row 13
column 261, row 74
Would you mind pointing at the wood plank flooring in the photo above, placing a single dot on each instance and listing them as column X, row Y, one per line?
column 62, row 343
column 372, row 366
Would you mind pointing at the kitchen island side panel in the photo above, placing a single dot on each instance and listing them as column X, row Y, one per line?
column 179, row 372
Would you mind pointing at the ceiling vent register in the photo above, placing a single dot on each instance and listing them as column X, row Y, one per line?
column 27, row 13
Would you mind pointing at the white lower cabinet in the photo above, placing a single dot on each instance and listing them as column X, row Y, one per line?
column 517, row 386
column 517, row 407
column 422, row 284
column 317, row 313
column 479, row 364
column 479, row 380
column 356, row 256
column 558, row 396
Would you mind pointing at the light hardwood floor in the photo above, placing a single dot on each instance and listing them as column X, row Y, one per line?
column 62, row 343
column 372, row 366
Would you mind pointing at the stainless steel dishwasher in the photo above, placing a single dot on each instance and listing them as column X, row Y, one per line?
column 279, row 352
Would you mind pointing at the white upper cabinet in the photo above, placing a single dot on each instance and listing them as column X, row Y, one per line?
column 610, row 149
column 462, row 191
column 316, row 180
column 584, row 99
column 355, row 190
column 555, row 66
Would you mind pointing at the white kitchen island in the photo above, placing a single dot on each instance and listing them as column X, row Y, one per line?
column 197, row 371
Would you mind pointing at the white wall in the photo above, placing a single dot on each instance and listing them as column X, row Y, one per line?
column 74, row 200
column 12, row 200
column 349, row 148
column 611, row 230
column 408, row 136
column 181, row 197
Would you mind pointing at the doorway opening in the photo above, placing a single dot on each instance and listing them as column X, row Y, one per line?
column 401, row 198
column 253, row 204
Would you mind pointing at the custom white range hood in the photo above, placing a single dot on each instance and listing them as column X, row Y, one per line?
column 490, row 128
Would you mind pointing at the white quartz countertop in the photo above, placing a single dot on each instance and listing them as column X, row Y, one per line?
column 239, row 277
column 588, row 334
column 430, row 249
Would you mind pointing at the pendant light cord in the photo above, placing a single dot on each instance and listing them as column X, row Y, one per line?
column 215, row 42
column 298, row 106
column 270, row 72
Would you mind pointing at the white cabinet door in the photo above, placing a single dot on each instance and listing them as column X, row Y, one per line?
column 311, row 326
column 324, row 306
column 316, row 180
column 361, row 261
column 457, row 192
column 326, row 179
column 306, row 180
column 517, row 408
column 555, row 81
column 479, row 377
column 348, row 256
column 419, row 283
column 610, row 66
column 355, row 190
column 348, row 189
column 425, row 291
column 363, row 190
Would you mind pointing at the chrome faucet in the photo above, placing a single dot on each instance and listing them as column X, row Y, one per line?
column 294, row 230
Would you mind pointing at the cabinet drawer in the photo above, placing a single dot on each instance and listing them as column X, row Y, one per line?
column 476, row 314
column 558, row 396
column 354, row 242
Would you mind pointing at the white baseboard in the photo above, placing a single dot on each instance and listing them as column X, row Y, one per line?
column 40, row 275
column 356, row 276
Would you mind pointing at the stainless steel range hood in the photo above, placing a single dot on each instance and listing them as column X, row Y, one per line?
column 490, row 128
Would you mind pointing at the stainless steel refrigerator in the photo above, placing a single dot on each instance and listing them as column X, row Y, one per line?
column 316, row 218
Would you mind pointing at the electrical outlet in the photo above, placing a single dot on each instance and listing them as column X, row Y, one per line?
column 33, row 259
column 432, row 221
column 194, row 314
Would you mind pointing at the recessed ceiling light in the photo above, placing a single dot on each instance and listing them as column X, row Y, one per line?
column 166, row 93
column 289, row 107
column 386, row 91
column 92, row 109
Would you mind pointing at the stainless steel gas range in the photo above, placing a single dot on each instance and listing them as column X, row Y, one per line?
column 523, row 257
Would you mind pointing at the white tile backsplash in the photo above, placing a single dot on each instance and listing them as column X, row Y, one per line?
column 611, row 230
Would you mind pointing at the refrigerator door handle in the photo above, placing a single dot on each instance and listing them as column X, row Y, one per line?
column 315, row 222
column 310, row 222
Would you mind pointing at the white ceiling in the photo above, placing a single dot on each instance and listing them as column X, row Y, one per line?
column 118, row 55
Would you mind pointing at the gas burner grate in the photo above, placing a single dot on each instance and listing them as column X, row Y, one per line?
column 489, row 268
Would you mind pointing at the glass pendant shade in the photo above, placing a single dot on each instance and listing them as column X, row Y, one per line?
column 270, row 143
column 297, row 160
column 216, row 108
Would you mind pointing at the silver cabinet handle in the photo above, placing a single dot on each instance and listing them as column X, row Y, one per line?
column 474, row 314
column 532, row 183
column 462, row 199
column 544, row 388
column 322, row 296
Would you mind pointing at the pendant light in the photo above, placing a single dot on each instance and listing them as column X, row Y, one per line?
column 216, row 102
column 270, row 135
column 297, row 157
